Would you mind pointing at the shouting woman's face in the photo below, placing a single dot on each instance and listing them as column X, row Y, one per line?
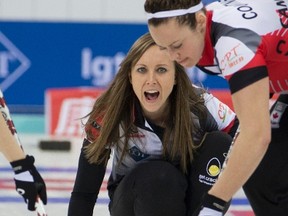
column 153, row 79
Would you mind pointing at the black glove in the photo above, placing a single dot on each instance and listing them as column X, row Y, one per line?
column 212, row 205
column 29, row 182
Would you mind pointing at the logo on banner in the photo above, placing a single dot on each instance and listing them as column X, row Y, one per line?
column 72, row 110
column 13, row 63
column 100, row 69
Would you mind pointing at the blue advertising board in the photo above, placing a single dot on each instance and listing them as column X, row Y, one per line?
column 35, row 56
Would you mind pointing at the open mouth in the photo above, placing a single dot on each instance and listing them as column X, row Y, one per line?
column 151, row 95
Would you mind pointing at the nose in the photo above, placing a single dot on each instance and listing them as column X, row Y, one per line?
column 151, row 78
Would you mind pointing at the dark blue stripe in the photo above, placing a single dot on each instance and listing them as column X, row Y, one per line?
column 240, row 201
column 46, row 169
column 49, row 169
column 54, row 200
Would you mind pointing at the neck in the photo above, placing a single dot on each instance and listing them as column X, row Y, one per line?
column 160, row 117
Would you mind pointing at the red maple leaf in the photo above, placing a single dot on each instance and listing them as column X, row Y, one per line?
column 275, row 115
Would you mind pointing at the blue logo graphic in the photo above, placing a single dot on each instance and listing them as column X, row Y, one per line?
column 13, row 63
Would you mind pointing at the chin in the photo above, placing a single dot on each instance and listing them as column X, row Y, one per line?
column 188, row 64
column 151, row 109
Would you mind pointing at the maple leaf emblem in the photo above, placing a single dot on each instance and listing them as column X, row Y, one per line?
column 275, row 115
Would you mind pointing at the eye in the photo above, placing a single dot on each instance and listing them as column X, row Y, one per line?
column 177, row 47
column 141, row 69
column 161, row 70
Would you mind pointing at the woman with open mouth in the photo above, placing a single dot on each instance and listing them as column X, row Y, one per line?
column 168, row 139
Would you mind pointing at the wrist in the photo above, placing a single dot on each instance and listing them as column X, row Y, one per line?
column 23, row 165
column 215, row 203
column 16, row 158
column 219, row 194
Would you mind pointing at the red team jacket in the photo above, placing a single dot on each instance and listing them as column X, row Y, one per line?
column 247, row 41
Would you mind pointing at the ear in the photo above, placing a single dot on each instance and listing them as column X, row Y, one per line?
column 201, row 21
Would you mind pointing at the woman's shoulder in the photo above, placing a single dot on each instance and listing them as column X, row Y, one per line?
column 93, row 127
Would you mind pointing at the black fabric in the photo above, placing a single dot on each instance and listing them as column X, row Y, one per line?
column 214, row 203
column 211, row 202
column 246, row 77
column 157, row 188
column 153, row 188
column 234, row 128
column 29, row 190
column 212, row 153
column 86, row 187
column 267, row 188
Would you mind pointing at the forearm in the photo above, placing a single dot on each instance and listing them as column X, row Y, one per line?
column 12, row 152
column 81, row 204
column 87, row 184
column 245, row 156
column 8, row 143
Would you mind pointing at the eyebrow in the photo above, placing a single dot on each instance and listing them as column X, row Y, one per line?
column 162, row 65
column 161, row 47
column 141, row 64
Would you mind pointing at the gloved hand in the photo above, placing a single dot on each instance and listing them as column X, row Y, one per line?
column 212, row 206
column 29, row 182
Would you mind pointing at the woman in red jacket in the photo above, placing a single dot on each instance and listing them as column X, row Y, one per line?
column 246, row 42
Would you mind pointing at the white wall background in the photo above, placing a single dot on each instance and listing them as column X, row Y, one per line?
column 73, row 10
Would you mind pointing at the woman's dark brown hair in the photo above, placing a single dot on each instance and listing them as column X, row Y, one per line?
column 153, row 6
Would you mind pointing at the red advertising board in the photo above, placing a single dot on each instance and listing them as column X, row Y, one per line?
column 65, row 108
